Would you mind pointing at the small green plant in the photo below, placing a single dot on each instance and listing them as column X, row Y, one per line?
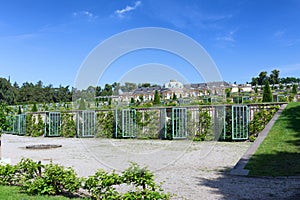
column 143, row 181
column 252, row 138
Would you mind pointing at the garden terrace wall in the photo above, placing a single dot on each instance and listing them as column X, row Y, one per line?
column 204, row 121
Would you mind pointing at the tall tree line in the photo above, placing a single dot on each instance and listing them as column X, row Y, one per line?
column 273, row 78
column 27, row 93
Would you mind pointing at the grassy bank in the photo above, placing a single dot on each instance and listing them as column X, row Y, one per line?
column 12, row 193
column 279, row 153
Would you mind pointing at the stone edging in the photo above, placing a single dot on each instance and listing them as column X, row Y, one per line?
column 238, row 169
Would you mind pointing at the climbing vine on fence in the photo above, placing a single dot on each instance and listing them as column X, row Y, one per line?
column 261, row 119
column 204, row 125
column 147, row 122
column 34, row 126
column 68, row 126
column 105, row 124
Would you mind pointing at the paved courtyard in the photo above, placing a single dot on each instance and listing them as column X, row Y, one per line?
column 190, row 170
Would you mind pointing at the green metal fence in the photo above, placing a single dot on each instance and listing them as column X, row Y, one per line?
column 179, row 123
column 128, row 126
column 18, row 124
column 240, row 122
column 52, row 124
column 86, row 123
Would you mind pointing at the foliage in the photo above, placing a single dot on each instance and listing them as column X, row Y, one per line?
column 52, row 179
column 102, row 185
column 252, row 138
column 204, row 125
column 38, row 128
column 34, row 128
column 147, row 122
column 267, row 93
column 105, row 124
column 4, row 123
column 82, row 105
column 29, row 124
column 174, row 97
column 261, row 119
column 143, row 181
column 7, row 174
column 68, row 126
column 34, row 108
column 294, row 89
column 156, row 100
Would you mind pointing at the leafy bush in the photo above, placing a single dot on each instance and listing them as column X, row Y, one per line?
column 101, row 185
column 261, row 119
column 52, row 179
column 55, row 179
column 143, row 181
column 7, row 174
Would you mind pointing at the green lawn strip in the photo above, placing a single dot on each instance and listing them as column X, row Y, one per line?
column 279, row 153
column 13, row 193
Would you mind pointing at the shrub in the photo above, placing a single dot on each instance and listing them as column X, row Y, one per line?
column 7, row 174
column 143, row 181
column 101, row 185
column 54, row 179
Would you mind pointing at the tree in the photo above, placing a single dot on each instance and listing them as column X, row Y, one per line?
column 262, row 77
column 34, row 108
column 156, row 98
column 295, row 89
column 132, row 100
column 267, row 95
column 174, row 96
column 7, row 94
column 141, row 97
column 274, row 77
column 82, row 104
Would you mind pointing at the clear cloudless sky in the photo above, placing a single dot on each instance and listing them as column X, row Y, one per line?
column 48, row 40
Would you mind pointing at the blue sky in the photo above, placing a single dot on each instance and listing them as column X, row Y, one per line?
column 48, row 40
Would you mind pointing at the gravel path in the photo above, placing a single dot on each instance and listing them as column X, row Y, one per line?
column 191, row 170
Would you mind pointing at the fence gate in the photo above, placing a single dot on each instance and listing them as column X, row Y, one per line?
column 22, row 124
column 179, row 123
column 19, row 124
column 52, row 124
column 86, row 123
column 239, row 122
column 128, row 123
column 219, row 125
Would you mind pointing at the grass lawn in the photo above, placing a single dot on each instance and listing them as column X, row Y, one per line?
column 13, row 193
column 279, row 153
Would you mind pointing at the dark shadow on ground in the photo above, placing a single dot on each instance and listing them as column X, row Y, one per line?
column 241, row 187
